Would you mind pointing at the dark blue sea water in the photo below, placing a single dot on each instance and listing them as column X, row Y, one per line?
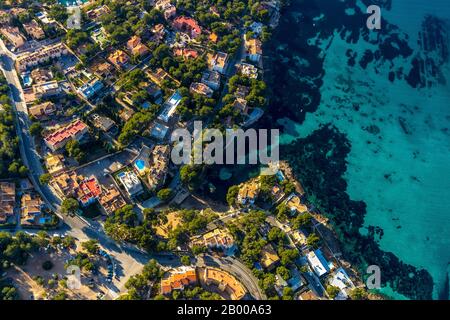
column 399, row 130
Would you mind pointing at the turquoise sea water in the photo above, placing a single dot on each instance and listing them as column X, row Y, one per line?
column 401, row 167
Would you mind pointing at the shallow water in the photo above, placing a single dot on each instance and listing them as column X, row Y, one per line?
column 399, row 163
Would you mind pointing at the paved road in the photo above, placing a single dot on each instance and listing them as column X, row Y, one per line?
column 238, row 269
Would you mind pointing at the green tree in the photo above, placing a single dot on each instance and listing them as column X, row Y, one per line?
column 74, row 150
column 358, row 294
column 232, row 195
column 91, row 246
column 284, row 272
column 164, row 194
column 186, row 260
column 36, row 129
column 45, row 178
column 332, row 291
column 61, row 295
column 191, row 176
column 9, row 293
column 69, row 206
column 302, row 220
column 313, row 240
column 288, row 293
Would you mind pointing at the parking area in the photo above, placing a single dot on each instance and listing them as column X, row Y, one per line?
column 103, row 167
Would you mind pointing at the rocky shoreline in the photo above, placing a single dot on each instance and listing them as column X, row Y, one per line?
column 319, row 160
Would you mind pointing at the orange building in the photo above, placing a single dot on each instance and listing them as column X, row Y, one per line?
column 178, row 279
column 136, row 47
column 118, row 58
column 188, row 25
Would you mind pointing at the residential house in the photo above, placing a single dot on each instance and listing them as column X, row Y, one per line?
column 88, row 190
column 277, row 193
column 158, row 33
column 43, row 16
column 159, row 131
column 295, row 204
column 96, row 13
column 39, row 75
column 170, row 107
column 201, row 88
column 119, row 59
column 85, row 190
column 155, row 92
column 111, row 200
column 178, row 279
column 7, row 200
column 31, row 206
column 211, row 79
column 217, row 61
column 341, row 280
column 158, row 166
column 167, row 8
column 169, row 12
column 100, row 37
column 63, row 184
column 46, row 89
column 218, row 239
column 158, row 76
column 34, row 30
column 248, row 193
column 187, row 25
column 225, row 282
column 299, row 238
column 42, row 110
column 308, row 295
column 103, row 123
column 90, row 88
column 136, row 47
column 13, row 35
column 125, row 113
column 213, row 37
column 5, row 17
column 247, row 70
column 242, row 92
column 131, row 183
column 269, row 258
column 73, row 131
column 254, row 49
column 241, row 105
column 256, row 27
column 186, row 53
column 318, row 262
column 54, row 164
column 102, row 69
column 36, row 57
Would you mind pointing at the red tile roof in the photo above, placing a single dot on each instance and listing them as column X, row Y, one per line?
column 66, row 133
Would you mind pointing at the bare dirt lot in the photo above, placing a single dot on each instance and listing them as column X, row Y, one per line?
column 24, row 277
column 174, row 220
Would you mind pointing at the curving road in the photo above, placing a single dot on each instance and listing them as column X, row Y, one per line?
column 239, row 270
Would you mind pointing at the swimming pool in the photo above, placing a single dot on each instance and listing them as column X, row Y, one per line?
column 140, row 165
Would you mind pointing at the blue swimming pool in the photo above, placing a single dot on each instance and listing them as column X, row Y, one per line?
column 140, row 164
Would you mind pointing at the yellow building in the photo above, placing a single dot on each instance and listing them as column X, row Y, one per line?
column 54, row 163
column 294, row 203
column 269, row 258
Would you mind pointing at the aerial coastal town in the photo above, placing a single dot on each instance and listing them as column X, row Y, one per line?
column 86, row 177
